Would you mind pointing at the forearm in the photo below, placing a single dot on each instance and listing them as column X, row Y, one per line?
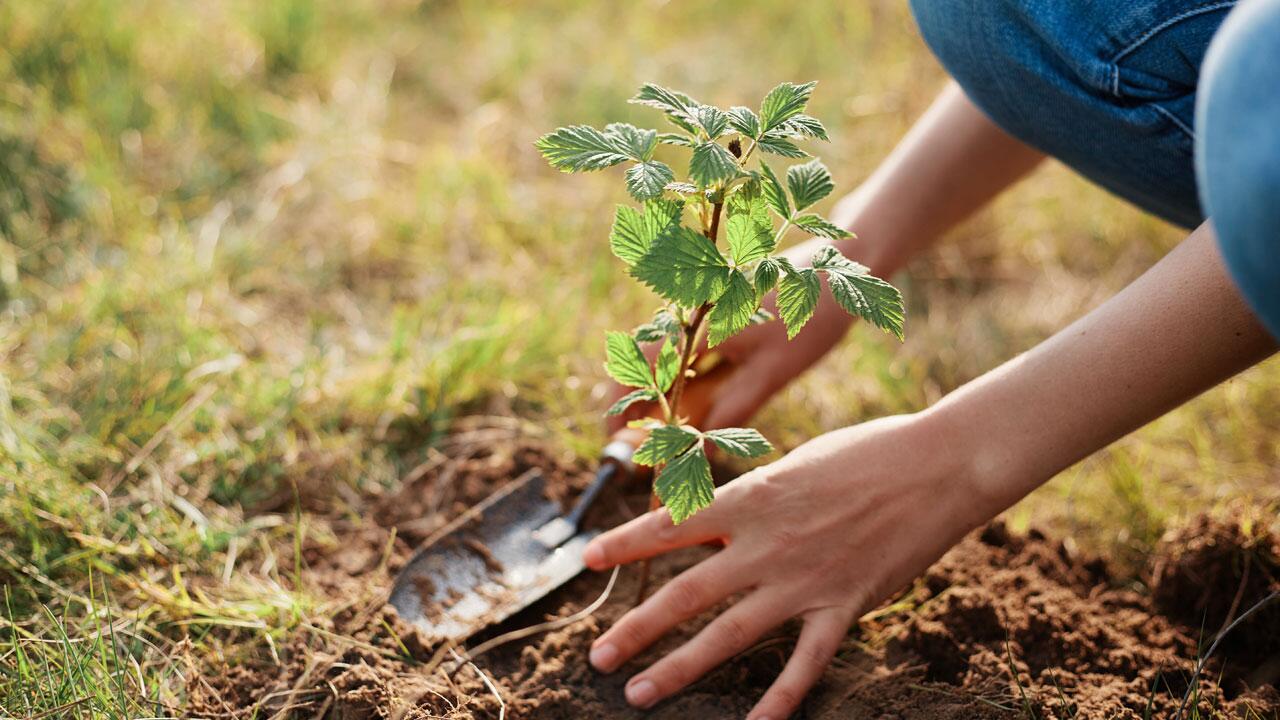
column 1176, row 331
column 952, row 162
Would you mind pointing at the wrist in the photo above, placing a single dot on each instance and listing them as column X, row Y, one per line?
column 976, row 466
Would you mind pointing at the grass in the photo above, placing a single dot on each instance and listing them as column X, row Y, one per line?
column 255, row 257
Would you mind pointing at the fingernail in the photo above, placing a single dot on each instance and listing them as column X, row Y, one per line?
column 642, row 694
column 593, row 556
column 604, row 657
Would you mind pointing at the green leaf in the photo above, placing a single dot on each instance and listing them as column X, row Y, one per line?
column 712, row 120
column 820, row 226
column 684, row 267
column 809, row 183
column 664, row 442
column 749, row 240
column 647, row 180
column 630, row 399
column 676, row 139
column 625, row 362
column 580, row 147
column 772, row 190
column 638, row 144
column 635, row 230
column 868, row 297
column 783, row 103
column 745, row 121
column 663, row 325
column 679, row 107
column 797, row 298
column 743, row 442
column 780, row 146
column 828, row 257
column 732, row 311
column 801, row 126
column 749, row 201
column 668, row 366
column 767, row 275
column 712, row 162
column 685, row 486
column 683, row 188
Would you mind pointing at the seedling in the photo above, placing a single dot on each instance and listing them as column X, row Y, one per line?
column 670, row 243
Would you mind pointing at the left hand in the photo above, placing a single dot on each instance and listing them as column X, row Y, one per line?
column 824, row 534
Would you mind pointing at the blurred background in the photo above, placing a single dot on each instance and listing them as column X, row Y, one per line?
column 256, row 258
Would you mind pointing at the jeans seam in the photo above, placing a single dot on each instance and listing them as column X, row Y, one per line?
column 1131, row 47
column 1175, row 120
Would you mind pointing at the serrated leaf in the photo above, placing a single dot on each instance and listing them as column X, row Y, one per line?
column 766, row 276
column 749, row 201
column 711, row 162
column 780, row 146
column 798, row 293
column 732, row 312
column 663, row 325
column 637, row 143
column 683, row 188
column 772, row 191
column 647, row 180
column 868, row 297
column 631, row 398
column 745, row 121
column 684, row 267
column 580, row 148
column 668, row 366
column 801, row 126
column 712, row 120
column 820, row 226
column 828, row 257
column 635, row 230
column 679, row 107
column 625, row 362
column 743, row 442
column 783, row 103
column 749, row 240
column 676, row 139
column 685, row 486
column 809, row 183
column 664, row 443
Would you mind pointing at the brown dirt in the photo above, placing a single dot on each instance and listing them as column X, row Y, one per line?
column 1004, row 626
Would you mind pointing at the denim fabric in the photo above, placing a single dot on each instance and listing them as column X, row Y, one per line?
column 1109, row 87
column 1106, row 86
column 1238, row 151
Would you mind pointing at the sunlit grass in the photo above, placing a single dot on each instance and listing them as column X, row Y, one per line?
column 258, row 256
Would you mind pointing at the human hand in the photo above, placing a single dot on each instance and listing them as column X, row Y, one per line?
column 824, row 534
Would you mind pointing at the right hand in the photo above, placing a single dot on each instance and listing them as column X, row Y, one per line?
column 761, row 361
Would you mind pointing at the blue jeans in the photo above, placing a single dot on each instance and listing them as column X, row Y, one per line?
column 1173, row 105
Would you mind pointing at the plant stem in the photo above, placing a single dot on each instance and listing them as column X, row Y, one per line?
column 692, row 330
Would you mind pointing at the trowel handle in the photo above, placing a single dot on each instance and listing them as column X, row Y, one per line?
column 616, row 457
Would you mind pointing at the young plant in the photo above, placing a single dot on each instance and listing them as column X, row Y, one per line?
column 670, row 243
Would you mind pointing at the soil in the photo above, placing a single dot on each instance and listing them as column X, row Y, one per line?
column 1004, row 626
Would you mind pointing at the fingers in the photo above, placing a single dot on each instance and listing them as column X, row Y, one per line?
column 651, row 534
column 695, row 590
column 819, row 639
column 745, row 391
column 731, row 633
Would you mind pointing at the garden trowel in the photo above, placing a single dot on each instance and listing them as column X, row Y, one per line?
column 515, row 546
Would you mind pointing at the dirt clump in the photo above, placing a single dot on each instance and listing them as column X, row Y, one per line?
column 1005, row 625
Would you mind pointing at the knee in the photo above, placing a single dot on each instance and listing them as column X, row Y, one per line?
column 1238, row 148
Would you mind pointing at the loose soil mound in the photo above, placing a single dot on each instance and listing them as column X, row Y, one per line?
column 1004, row 626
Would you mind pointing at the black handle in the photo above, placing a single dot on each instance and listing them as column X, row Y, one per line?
column 606, row 472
